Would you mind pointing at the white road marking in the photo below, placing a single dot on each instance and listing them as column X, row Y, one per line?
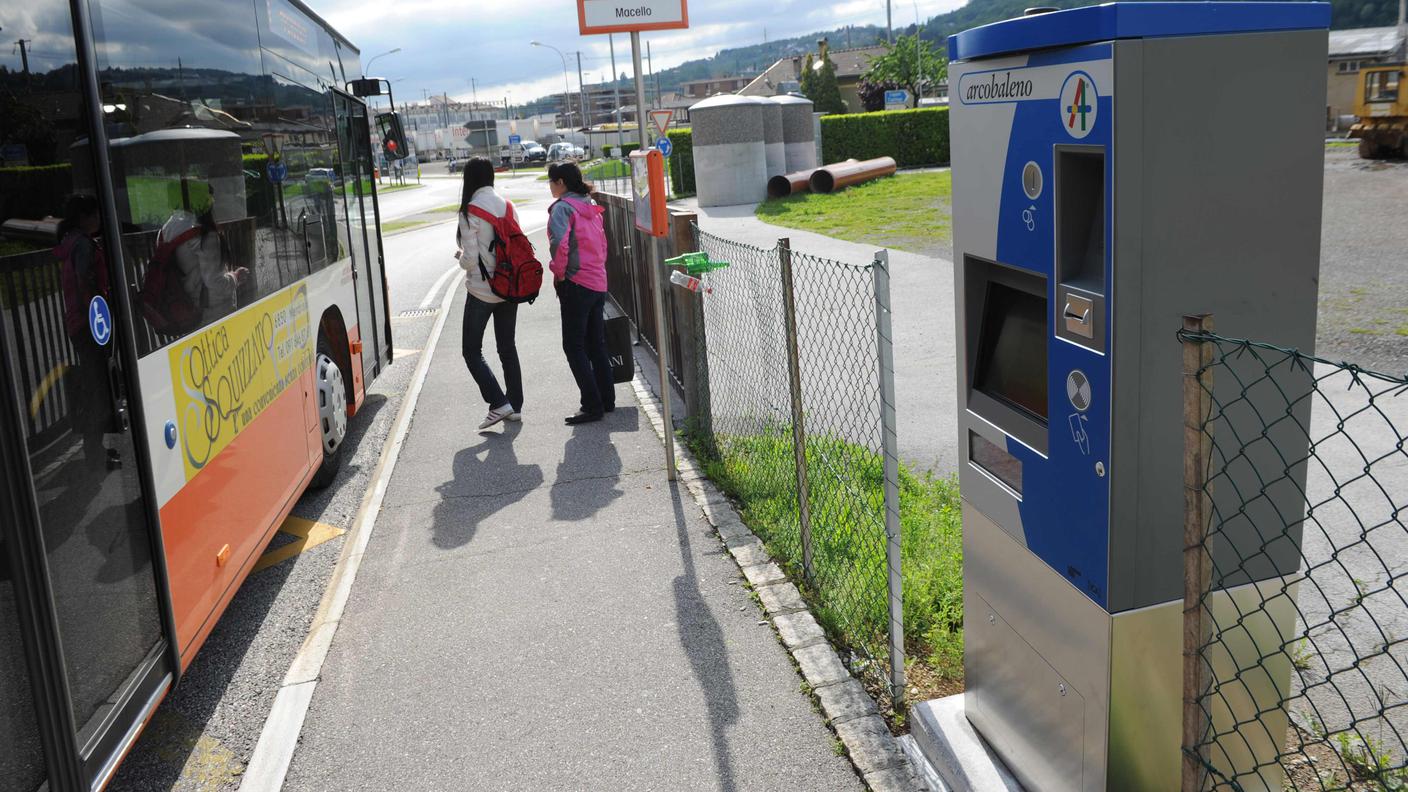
column 434, row 290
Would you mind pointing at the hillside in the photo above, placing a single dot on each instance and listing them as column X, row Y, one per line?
column 756, row 57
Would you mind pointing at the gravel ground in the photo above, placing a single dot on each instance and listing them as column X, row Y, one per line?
column 1364, row 262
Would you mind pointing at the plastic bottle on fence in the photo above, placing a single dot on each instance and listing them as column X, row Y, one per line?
column 689, row 282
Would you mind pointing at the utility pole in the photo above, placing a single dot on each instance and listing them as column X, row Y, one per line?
column 582, row 94
column 651, row 71
column 473, row 95
column 889, row 25
column 24, row 53
column 616, row 90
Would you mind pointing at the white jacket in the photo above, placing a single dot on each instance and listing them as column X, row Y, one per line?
column 475, row 238
column 200, row 260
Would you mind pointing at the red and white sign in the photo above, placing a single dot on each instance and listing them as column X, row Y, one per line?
column 661, row 119
column 624, row 16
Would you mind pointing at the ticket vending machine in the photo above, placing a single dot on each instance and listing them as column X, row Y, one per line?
column 1115, row 168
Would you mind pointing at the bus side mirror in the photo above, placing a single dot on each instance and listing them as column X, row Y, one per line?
column 393, row 137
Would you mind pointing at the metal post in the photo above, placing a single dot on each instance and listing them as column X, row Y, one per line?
column 640, row 90
column 616, row 89
column 662, row 346
column 582, row 95
column 794, row 388
column 885, row 347
column 1197, row 555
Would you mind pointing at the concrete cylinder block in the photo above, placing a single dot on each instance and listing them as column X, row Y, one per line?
column 730, row 158
column 773, row 147
column 798, row 132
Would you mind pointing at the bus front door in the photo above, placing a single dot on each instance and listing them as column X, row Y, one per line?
column 83, row 636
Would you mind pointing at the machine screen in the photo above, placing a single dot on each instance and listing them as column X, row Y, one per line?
column 1012, row 349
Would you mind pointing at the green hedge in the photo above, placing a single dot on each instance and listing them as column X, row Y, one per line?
column 682, row 160
column 912, row 137
column 626, row 149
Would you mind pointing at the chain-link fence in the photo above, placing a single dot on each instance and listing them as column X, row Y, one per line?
column 796, row 421
column 1296, row 670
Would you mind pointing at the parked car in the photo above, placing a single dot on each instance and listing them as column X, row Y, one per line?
column 533, row 152
column 558, row 152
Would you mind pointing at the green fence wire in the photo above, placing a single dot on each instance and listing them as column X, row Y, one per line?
column 1302, row 669
column 746, row 430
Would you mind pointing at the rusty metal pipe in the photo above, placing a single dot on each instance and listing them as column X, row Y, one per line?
column 844, row 174
column 783, row 186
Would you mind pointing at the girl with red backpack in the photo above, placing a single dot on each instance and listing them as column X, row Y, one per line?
column 478, row 258
column 577, row 238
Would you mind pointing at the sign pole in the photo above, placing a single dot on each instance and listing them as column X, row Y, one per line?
column 640, row 89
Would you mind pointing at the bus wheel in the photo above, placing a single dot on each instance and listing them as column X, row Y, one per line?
column 332, row 413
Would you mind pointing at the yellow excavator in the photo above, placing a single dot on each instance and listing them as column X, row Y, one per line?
column 1383, row 113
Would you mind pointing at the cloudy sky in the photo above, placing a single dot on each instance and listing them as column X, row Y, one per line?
column 445, row 43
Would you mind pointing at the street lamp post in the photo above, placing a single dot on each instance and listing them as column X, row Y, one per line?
column 368, row 67
column 566, row 84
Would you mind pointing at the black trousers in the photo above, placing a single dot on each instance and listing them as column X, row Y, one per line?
column 584, row 343
column 476, row 319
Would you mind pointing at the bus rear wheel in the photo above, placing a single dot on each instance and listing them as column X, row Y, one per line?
column 332, row 413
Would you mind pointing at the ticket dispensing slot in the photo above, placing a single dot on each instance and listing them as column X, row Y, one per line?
column 1080, row 245
column 1007, row 351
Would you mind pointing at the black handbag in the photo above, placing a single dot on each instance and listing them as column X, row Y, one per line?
column 618, row 347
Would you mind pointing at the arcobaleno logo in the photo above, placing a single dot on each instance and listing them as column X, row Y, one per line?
column 992, row 89
column 643, row 11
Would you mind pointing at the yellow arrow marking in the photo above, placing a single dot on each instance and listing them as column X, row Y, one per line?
column 310, row 534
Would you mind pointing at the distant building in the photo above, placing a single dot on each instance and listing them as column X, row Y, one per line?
column 1351, row 51
column 702, row 89
column 786, row 74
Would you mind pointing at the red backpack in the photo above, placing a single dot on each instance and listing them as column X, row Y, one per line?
column 517, row 276
column 169, row 310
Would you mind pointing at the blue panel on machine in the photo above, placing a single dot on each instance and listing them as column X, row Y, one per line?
column 1114, row 21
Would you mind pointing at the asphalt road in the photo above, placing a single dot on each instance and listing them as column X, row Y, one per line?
column 1363, row 252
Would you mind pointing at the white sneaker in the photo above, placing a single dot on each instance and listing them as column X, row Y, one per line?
column 495, row 415
column 514, row 416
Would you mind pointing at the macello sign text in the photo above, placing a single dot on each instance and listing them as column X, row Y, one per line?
column 616, row 16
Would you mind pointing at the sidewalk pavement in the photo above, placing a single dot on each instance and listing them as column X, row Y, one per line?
column 538, row 609
column 921, row 296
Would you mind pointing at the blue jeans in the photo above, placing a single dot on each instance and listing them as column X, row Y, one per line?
column 476, row 319
column 584, row 343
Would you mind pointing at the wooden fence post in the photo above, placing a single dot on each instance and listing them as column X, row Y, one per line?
column 1197, row 554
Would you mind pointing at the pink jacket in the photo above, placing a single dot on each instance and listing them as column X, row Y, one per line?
column 577, row 238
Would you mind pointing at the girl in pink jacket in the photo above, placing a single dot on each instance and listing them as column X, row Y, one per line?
column 577, row 239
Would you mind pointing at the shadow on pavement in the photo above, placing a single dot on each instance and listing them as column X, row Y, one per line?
column 499, row 465
column 703, row 642
column 590, row 455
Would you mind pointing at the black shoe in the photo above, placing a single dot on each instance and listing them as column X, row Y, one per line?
column 609, row 408
column 581, row 418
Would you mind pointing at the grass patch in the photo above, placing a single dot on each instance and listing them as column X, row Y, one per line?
column 392, row 226
column 14, row 247
column 906, row 212
column 1341, row 143
column 847, row 504
column 394, row 187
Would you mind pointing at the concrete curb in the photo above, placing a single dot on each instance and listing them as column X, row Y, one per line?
column 875, row 754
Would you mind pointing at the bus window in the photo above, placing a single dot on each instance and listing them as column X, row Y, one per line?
column 193, row 142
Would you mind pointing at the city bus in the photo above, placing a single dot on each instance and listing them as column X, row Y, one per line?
column 192, row 306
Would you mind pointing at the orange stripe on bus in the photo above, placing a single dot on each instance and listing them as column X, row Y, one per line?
column 239, row 499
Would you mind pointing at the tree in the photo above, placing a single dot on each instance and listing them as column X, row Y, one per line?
column 820, row 86
column 908, row 64
column 872, row 94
